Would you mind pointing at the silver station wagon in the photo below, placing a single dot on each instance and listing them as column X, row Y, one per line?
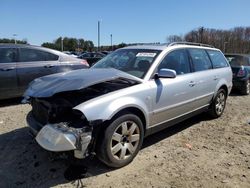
column 129, row 94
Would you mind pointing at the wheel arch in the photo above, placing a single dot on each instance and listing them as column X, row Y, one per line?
column 132, row 110
column 225, row 88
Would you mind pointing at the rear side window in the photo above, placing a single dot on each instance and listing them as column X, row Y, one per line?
column 237, row 60
column 7, row 55
column 177, row 60
column 29, row 55
column 200, row 59
column 217, row 59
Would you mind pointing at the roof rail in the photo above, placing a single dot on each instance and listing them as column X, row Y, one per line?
column 190, row 43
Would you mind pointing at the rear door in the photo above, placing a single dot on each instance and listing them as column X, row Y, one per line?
column 34, row 63
column 8, row 79
column 204, row 77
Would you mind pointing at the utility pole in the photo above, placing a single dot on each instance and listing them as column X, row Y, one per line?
column 111, row 42
column 201, row 30
column 14, row 35
column 98, row 28
column 225, row 46
column 62, row 44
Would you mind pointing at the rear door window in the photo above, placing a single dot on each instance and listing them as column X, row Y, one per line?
column 200, row 60
column 8, row 55
column 217, row 59
column 29, row 55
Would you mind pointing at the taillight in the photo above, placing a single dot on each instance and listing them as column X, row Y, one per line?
column 241, row 72
column 84, row 62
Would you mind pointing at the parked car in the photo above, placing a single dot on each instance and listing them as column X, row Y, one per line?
column 20, row 64
column 240, row 64
column 92, row 57
column 129, row 94
column 70, row 53
column 106, row 52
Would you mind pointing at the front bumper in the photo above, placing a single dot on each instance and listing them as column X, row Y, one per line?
column 59, row 137
column 34, row 126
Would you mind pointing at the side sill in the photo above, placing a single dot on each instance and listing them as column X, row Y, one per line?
column 154, row 129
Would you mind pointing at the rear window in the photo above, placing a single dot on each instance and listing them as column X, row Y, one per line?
column 29, row 55
column 217, row 59
column 237, row 60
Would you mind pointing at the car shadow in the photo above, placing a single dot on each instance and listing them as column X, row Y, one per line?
column 235, row 93
column 25, row 164
column 10, row 102
column 170, row 131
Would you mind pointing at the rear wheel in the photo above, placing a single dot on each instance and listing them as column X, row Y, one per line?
column 122, row 141
column 246, row 88
column 219, row 103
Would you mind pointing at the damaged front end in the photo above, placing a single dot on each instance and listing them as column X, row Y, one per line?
column 59, row 127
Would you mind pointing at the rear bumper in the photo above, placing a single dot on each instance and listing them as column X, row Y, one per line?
column 239, row 83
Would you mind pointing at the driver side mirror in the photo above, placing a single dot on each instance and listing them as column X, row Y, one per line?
column 165, row 73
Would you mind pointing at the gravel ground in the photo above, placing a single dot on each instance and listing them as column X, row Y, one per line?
column 199, row 152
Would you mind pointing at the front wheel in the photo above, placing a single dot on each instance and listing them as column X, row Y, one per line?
column 219, row 103
column 122, row 141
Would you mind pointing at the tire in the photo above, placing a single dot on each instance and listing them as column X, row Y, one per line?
column 246, row 88
column 122, row 141
column 218, row 105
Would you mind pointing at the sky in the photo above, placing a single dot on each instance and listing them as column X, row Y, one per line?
column 129, row 21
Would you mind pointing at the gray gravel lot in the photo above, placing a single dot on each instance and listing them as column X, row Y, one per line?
column 199, row 152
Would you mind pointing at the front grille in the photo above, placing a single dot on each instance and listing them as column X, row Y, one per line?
column 40, row 111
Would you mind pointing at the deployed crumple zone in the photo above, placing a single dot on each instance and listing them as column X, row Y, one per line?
column 133, row 92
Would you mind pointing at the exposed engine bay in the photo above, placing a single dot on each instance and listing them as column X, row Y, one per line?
column 69, row 129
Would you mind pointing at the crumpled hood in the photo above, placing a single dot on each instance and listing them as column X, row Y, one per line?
column 47, row 86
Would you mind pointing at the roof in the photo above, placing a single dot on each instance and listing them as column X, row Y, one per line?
column 172, row 45
column 9, row 45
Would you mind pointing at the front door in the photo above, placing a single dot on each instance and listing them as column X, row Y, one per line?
column 174, row 97
column 8, row 79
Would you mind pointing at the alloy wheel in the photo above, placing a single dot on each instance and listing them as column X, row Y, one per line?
column 125, row 140
column 248, row 87
column 220, row 103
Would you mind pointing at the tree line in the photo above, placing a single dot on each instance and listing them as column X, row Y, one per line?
column 70, row 44
column 236, row 40
column 5, row 40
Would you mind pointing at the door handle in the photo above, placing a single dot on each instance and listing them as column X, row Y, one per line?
column 48, row 66
column 7, row 69
column 192, row 84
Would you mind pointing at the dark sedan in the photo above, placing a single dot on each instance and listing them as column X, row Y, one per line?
column 240, row 64
column 92, row 57
column 20, row 64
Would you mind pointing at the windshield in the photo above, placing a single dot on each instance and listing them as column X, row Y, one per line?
column 132, row 61
column 237, row 60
